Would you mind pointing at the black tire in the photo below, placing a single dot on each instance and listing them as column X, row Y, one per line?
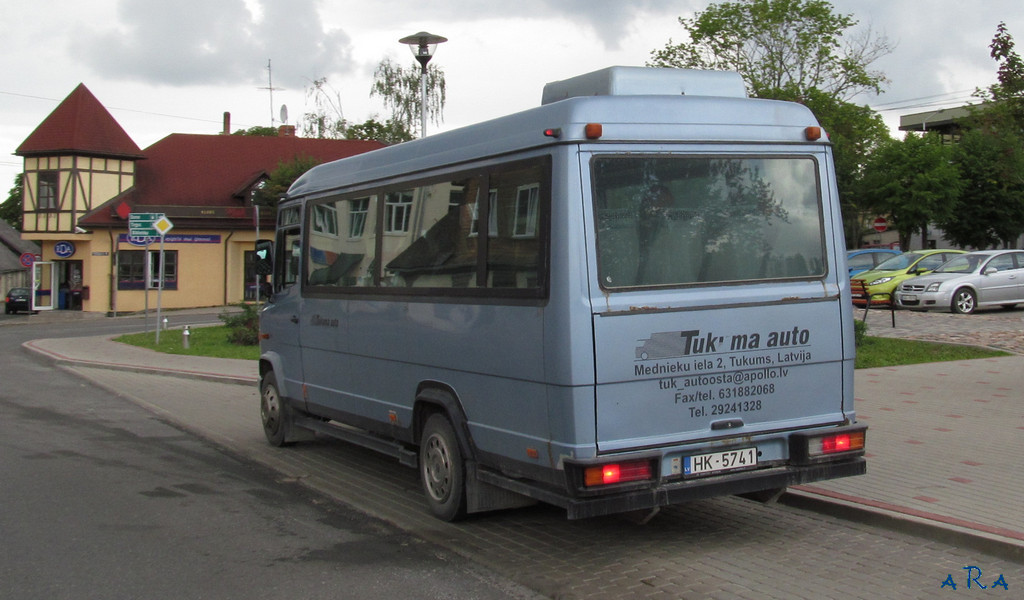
column 965, row 301
column 442, row 469
column 274, row 412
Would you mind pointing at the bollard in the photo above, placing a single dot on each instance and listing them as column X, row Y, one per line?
column 165, row 323
column 185, row 333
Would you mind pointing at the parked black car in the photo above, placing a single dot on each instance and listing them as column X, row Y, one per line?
column 18, row 298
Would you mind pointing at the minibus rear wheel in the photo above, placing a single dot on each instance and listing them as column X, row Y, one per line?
column 274, row 412
column 442, row 469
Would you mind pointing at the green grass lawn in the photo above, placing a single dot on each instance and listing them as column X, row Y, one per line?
column 203, row 341
column 872, row 352
column 890, row 352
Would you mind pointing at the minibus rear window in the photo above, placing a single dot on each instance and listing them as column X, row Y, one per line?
column 682, row 220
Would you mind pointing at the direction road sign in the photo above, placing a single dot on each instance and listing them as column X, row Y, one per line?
column 148, row 225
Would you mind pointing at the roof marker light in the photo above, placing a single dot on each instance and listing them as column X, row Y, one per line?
column 553, row 132
column 812, row 134
column 593, row 131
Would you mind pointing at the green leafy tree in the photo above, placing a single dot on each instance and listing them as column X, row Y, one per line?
column 1008, row 93
column 782, row 48
column 281, row 178
column 399, row 87
column 991, row 158
column 389, row 132
column 914, row 181
column 802, row 51
column 258, row 131
column 855, row 132
column 989, row 210
column 327, row 120
column 10, row 209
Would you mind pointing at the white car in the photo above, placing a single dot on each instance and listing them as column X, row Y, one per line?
column 968, row 282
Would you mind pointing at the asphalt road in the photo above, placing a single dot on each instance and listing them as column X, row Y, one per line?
column 102, row 499
column 723, row 547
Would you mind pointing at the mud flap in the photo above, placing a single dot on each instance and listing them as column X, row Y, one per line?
column 483, row 497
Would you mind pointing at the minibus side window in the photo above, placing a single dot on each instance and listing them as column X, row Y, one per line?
column 342, row 241
column 290, row 244
column 436, row 246
column 515, row 252
column 472, row 231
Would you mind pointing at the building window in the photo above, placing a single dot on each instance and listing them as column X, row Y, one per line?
column 325, row 219
column 397, row 209
column 357, row 210
column 492, row 216
column 140, row 269
column 525, row 224
column 48, row 190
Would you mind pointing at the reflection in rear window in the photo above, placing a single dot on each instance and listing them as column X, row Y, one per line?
column 681, row 220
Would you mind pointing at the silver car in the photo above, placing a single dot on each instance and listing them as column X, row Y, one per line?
column 968, row 282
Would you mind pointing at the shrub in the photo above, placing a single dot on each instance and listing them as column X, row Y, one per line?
column 243, row 327
column 860, row 331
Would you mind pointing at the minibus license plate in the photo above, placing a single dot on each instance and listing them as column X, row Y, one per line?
column 728, row 460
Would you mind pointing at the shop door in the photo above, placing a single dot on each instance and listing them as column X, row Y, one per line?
column 44, row 283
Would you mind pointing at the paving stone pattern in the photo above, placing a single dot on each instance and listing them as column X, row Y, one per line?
column 720, row 548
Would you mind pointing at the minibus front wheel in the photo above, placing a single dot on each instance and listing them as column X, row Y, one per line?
column 274, row 411
column 442, row 469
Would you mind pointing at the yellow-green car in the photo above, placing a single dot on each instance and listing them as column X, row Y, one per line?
column 878, row 284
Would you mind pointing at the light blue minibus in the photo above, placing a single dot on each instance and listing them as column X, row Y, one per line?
column 631, row 296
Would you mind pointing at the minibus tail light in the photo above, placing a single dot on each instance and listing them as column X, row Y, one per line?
column 612, row 473
column 834, row 444
column 810, row 447
column 593, row 131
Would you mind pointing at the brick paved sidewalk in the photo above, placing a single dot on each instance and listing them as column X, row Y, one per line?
column 999, row 329
column 944, row 444
column 944, row 438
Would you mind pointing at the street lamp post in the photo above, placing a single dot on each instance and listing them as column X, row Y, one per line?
column 423, row 45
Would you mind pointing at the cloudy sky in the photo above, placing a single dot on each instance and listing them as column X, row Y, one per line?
column 175, row 67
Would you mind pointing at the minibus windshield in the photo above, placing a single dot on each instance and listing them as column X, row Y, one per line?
column 680, row 220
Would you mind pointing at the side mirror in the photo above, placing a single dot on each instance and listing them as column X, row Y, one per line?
column 264, row 257
column 990, row 270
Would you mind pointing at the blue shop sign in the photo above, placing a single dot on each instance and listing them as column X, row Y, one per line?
column 64, row 249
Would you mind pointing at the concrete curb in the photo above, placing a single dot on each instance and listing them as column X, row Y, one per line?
column 59, row 359
column 1005, row 544
column 999, row 542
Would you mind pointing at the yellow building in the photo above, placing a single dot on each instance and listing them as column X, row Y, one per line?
column 84, row 178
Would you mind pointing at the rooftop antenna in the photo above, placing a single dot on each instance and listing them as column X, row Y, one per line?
column 270, row 88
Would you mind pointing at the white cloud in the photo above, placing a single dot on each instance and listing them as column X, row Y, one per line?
column 190, row 42
column 165, row 66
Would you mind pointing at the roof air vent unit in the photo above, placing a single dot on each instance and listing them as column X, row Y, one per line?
column 646, row 81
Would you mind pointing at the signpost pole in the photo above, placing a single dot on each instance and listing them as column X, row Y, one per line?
column 145, row 289
column 150, row 225
column 256, row 275
column 159, row 289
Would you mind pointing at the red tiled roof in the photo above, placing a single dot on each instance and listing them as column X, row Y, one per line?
column 80, row 125
column 187, row 170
